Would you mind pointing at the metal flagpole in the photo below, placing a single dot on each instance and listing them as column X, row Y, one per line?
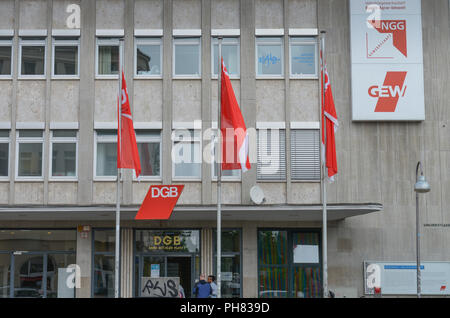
column 219, row 176
column 119, row 170
column 324, row 187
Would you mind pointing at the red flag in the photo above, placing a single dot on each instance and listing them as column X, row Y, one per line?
column 329, row 118
column 127, row 150
column 234, row 133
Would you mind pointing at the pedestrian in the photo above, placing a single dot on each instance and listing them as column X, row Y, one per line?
column 202, row 288
column 212, row 282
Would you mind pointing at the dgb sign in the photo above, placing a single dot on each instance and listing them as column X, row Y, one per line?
column 159, row 202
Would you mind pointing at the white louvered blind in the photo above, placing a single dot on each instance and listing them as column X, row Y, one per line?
column 305, row 154
column 271, row 154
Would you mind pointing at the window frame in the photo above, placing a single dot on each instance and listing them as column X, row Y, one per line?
column 7, row 41
column 62, row 140
column 29, row 140
column 4, row 140
column 25, row 41
column 148, row 40
column 274, row 40
column 57, row 41
column 232, row 40
column 105, row 41
column 150, row 139
column 103, row 139
column 260, row 177
column 214, row 178
column 193, row 140
column 294, row 180
column 187, row 40
column 304, row 40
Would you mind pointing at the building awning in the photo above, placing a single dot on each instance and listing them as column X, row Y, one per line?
column 285, row 212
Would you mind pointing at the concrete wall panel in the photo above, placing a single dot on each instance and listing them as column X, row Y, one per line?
column 274, row 192
column 33, row 14
column 106, row 100
column 303, row 98
column 187, row 14
column 302, row 14
column 60, row 15
column 6, row 101
column 105, row 192
column 64, row 101
column 225, row 14
column 305, row 193
column 231, row 193
column 29, row 193
column 147, row 100
column 110, row 14
column 148, row 14
column 62, row 192
column 4, row 193
column 192, row 193
column 140, row 190
column 269, row 14
column 270, row 100
column 31, row 101
column 187, row 102
column 7, row 14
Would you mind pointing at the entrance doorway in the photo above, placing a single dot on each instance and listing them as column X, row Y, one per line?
column 181, row 266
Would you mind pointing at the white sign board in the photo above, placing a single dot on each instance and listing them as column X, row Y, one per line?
column 400, row 278
column 66, row 282
column 387, row 60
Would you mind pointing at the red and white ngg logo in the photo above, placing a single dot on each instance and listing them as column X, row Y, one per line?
column 390, row 92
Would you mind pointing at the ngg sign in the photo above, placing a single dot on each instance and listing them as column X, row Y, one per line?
column 159, row 202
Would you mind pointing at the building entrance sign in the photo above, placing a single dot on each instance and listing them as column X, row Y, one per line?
column 159, row 202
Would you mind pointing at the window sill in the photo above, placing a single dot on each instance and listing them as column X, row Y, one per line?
column 307, row 77
column 147, row 179
column 186, row 77
column 31, row 77
column 232, row 77
column 25, row 179
column 6, row 77
column 106, row 77
column 65, row 77
column 226, row 180
column 105, row 179
column 270, row 181
column 265, row 77
column 186, row 180
column 63, row 180
column 305, row 181
column 148, row 77
column 4, row 179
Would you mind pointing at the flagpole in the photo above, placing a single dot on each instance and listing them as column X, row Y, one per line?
column 119, row 170
column 324, row 179
column 219, row 175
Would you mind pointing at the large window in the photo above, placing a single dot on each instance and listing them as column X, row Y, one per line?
column 4, row 154
column 32, row 57
column 106, row 154
column 230, row 54
column 65, row 57
column 29, row 154
column 149, row 147
column 269, row 57
column 104, row 241
column 186, row 57
column 305, row 154
column 5, row 57
column 231, row 262
column 107, row 58
column 289, row 264
column 64, row 154
column 303, row 57
column 148, row 59
column 271, row 154
column 186, row 154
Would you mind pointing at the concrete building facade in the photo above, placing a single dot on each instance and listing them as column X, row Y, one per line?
column 371, row 203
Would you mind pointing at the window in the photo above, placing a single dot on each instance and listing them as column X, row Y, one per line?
column 269, row 57
column 4, row 154
column 64, row 154
column 186, row 57
column 149, row 147
column 32, row 57
column 230, row 54
column 271, row 154
column 232, row 175
column 65, row 57
column 186, row 154
column 289, row 264
column 107, row 58
column 305, row 154
column 29, row 154
column 104, row 241
column 106, row 154
column 148, row 58
column 303, row 57
column 5, row 57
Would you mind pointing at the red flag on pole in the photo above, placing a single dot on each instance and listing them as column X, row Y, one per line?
column 127, row 150
column 330, row 125
column 234, row 133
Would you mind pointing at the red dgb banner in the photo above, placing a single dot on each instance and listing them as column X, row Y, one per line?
column 159, row 202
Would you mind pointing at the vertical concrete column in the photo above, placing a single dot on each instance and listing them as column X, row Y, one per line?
column 167, row 93
column 84, row 260
column 15, row 58
column 206, row 95
column 126, row 263
column 127, row 185
column 87, row 101
column 207, row 251
column 48, row 92
column 287, row 103
column 249, row 261
column 248, row 84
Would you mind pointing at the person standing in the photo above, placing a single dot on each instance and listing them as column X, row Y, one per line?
column 202, row 288
column 212, row 282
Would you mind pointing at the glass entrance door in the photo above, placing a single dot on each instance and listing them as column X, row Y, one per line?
column 28, row 275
